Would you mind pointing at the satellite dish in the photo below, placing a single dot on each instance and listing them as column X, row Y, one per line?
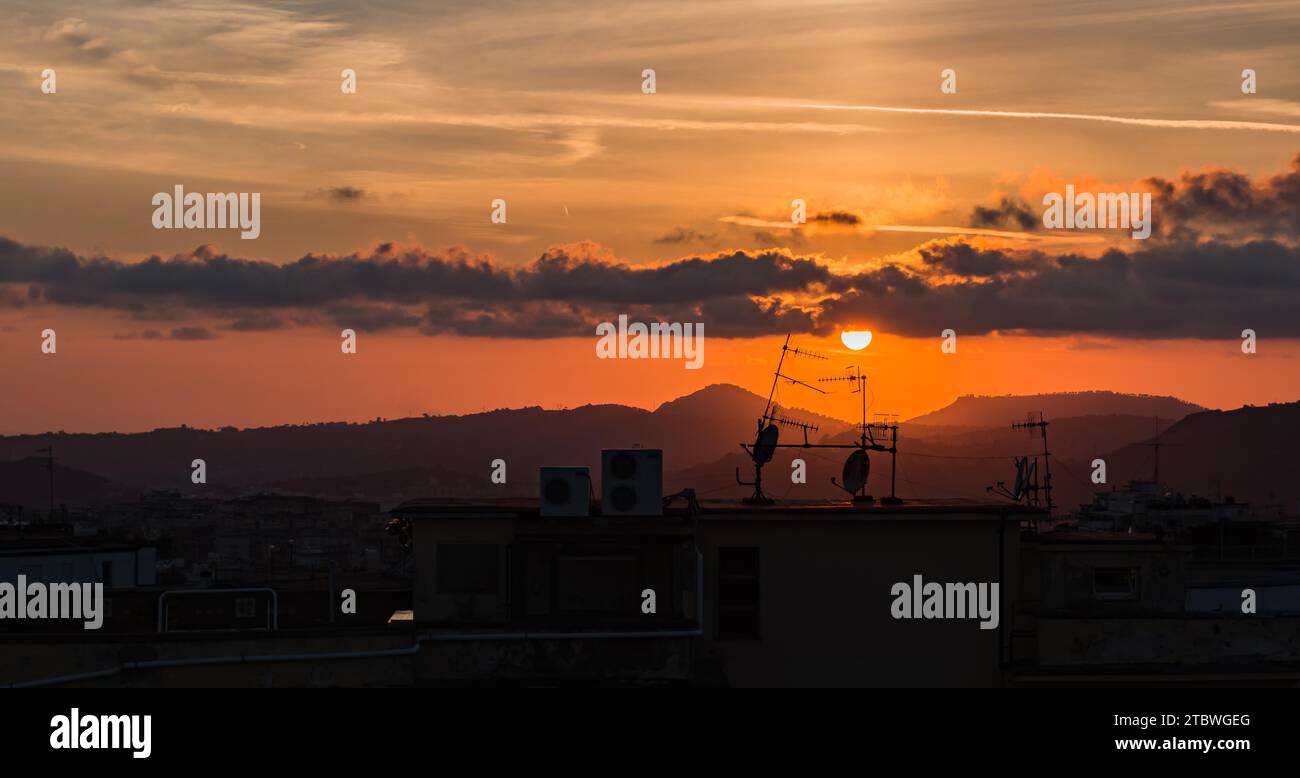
column 856, row 468
column 765, row 444
column 1021, row 485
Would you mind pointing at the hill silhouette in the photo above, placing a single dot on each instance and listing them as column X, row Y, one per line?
column 1244, row 452
column 407, row 454
column 979, row 411
column 26, row 482
column 1249, row 453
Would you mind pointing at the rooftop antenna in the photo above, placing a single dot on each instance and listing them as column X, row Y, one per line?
column 766, row 441
column 856, row 468
column 1155, row 445
column 1041, row 425
column 886, row 424
column 1026, row 486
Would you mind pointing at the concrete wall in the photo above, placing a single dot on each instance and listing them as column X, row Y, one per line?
column 429, row 605
column 1063, row 578
column 825, row 601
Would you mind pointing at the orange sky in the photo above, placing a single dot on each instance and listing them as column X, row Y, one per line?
column 263, row 379
column 757, row 104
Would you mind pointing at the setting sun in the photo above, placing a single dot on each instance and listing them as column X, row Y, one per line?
column 856, row 340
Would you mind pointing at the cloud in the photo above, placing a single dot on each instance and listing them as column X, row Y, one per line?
column 841, row 217
column 343, row 194
column 1207, row 289
column 685, row 235
column 178, row 333
column 1229, row 259
column 1010, row 212
column 1226, row 204
column 563, row 292
column 76, row 33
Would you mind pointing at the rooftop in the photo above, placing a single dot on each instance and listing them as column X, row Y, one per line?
column 721, row 510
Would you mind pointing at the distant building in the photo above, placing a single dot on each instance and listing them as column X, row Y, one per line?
column 1146, row 505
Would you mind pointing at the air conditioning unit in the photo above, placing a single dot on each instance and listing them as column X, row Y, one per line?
column 632, row 482
column 566, row 491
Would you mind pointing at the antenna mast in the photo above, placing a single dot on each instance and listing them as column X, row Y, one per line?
column 855, row 469
column 1041, row 425
column 1156, row 445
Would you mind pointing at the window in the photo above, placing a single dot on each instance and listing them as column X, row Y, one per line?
column 106, row 573
column 591, row 584
column 738, row 594
column 1115, row 583
column 598, row 580
column 245, row 608
column 468, row 568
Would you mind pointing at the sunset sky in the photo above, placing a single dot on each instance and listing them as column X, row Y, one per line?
column 670, row 206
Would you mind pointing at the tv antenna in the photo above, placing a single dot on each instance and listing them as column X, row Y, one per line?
column 1027, row 488
column 856, row 468
column 769, row 424
column 1156, row 445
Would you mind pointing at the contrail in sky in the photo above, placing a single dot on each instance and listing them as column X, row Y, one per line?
column 1191, row 124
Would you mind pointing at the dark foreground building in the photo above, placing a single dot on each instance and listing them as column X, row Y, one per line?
column 641, row 589
column 796, row 594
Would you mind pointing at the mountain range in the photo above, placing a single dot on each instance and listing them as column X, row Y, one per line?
column 956, row 451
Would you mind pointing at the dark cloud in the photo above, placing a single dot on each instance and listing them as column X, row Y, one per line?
column 191, row 333
column 178, row 333
column 839, row 216
column 681, row 235
column 1010, row 213
column 562, row 292
column 963, row 259
column 343, row 194
column 1208, row 288
column 256, row 321
column 1227, row 205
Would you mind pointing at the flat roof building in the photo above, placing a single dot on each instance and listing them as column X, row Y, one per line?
column 801, row 593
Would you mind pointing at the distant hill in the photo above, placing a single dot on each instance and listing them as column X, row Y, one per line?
column 968, row 446
column 26, row 482
column 696, row 428
column 1250, row 453
column 976, row 411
